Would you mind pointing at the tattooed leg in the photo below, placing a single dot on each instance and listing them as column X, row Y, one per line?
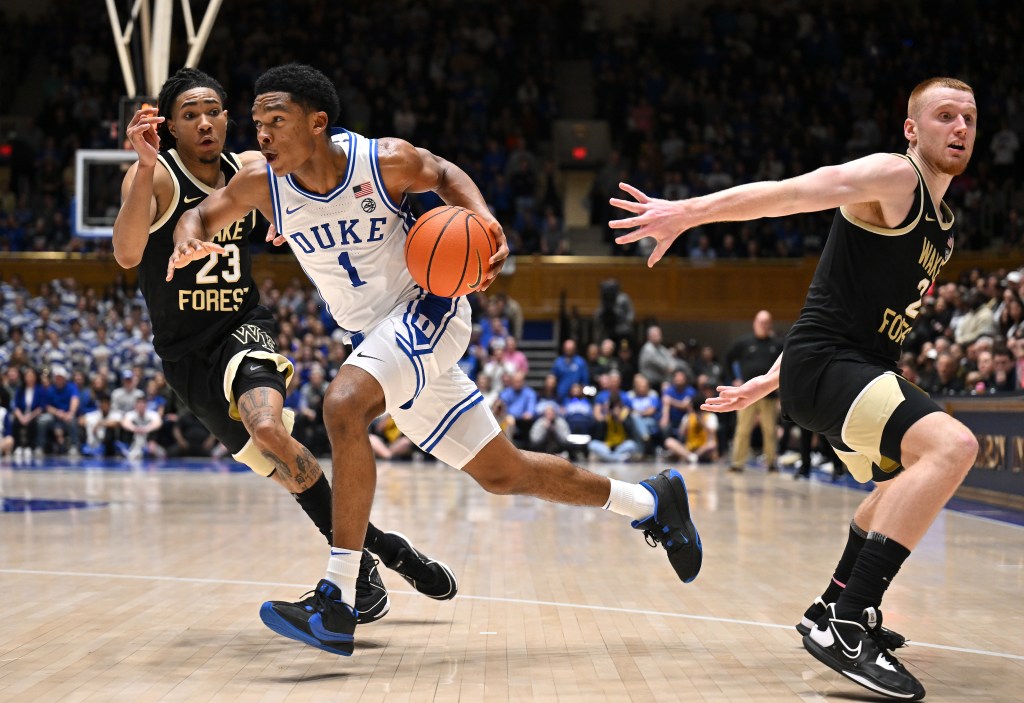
column 297, row 468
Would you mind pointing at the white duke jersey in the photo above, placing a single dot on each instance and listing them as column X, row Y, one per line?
column 350, row 241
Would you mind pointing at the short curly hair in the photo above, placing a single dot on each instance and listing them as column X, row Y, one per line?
column 306, row 85
column 182, row 80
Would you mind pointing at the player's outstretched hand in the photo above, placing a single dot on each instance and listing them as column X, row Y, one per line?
column 655, row 218
column 143, row 136
column 738, row 397
column 273, row 237
column 498, row 260
column 188, row 251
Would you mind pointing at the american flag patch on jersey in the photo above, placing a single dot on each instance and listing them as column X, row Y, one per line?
column 362, row 190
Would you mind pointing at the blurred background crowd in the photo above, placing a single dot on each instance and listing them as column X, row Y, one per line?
column 715, row 95
column 720, row 94
column 79, row 373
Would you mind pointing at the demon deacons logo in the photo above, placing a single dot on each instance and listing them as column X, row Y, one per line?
column 369, row 205
column 252, row 334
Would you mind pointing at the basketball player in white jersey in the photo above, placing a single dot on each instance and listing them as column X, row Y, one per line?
column 341, row 205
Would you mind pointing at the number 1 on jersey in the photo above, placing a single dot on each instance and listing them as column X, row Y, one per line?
column 353, row 275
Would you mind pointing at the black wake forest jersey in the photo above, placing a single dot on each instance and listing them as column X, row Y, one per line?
column 869, row 282
column 209, row 298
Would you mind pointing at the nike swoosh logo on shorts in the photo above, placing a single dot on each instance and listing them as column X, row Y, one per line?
column 367, row 356
column 292, row 211
column 929, row 218
column 192, row 200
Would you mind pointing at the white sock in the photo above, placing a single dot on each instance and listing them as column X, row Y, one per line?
column 342, row 570
column 631, row 500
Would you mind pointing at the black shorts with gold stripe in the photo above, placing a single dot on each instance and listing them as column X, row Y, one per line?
column 864, row 409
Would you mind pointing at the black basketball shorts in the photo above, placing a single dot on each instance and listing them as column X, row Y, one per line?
column 207, row 380
column 863, row 409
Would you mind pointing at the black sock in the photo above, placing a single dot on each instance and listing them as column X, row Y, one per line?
column 879, row 561
column 380, row 544
column 316, row 501
column 854, row 543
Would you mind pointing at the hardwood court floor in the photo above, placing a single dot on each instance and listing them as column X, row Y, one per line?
column 154, row 595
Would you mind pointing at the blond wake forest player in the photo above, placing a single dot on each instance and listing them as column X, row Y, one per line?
column 838, row 374
column 216, row 341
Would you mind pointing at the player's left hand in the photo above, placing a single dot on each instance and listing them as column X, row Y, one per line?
column 497, row 261
column 738, row 397
column 188, row 251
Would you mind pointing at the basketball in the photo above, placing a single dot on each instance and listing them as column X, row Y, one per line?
column 447, row 251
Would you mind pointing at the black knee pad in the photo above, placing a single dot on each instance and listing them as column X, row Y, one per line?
column 257, row 373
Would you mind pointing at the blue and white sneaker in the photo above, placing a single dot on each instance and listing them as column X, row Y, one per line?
column 321, row 621
column 671, row 526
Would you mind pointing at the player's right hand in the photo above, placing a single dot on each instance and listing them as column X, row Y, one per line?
column 188, row 251
column 655, row 218
column 731, row 398
column 142, row 135
column 273, row 237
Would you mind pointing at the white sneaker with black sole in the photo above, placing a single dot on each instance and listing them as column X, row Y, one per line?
column 854, row 649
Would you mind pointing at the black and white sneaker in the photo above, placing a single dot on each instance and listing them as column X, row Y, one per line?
column 890, row 638
column 671, row 526
column 372, row 602
column 854, row 649
column 430, row 577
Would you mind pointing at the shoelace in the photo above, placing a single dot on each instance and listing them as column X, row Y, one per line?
column 887, row 639
column 364, row 586
column 651, row 537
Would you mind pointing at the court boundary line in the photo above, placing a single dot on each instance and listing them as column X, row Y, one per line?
column 491, row 599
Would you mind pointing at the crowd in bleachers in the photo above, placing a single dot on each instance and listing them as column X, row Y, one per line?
column 79, row 375
column 695, row 104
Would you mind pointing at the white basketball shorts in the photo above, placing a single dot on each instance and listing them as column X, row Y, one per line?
column 413, row 354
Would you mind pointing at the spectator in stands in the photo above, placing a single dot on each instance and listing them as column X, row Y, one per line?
column 6, row 439
column 515, row 357
column 569, row 368
column 498, row 367
column 697, row 436
column 611, row 440
column 615, row 314
column 977, row 320
column 191, row 438
column 750, row 356
column 676, row 400
column 60, row 421
column 645, row 404
column 141, row 423
column 122, row 399
column 947, row 379
column 1004, row 379
column 578, row 411
column 656, row 360
column 101, row 428
column 521, row 403
column 550, row 432
column 387, row 441
column 30, row 402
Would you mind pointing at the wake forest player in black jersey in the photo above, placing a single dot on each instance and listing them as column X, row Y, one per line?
column 216, row 341
column 838, row 371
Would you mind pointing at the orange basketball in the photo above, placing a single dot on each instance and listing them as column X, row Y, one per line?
column 447, row 251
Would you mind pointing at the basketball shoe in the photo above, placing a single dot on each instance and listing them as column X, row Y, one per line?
column 321, row 620
column 431, row 578
column 372, row 602
column 670, row 525
column 890, row 638
column 854, row 649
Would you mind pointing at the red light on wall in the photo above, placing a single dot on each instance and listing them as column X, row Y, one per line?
column 579, row 153
column 5, row 151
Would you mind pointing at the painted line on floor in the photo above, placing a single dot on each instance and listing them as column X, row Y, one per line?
column 489, row 599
